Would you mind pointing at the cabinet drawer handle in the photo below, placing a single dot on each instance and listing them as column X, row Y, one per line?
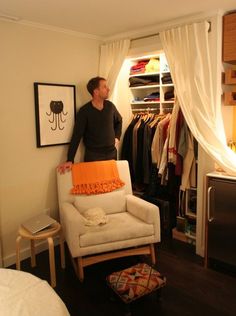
column 210, row 219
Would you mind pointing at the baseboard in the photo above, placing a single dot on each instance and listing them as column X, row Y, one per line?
column 25, row 252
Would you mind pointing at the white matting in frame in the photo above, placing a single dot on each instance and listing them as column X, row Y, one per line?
column 55, row 109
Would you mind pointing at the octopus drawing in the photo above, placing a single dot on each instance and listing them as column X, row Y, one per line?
column 57, row 114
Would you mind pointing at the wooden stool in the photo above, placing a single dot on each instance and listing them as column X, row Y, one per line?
column 53, row 230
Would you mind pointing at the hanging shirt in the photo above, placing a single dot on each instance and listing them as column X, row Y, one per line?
column 159, row 140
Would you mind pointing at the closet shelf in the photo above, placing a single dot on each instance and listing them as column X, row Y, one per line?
column 143, row 102
column 191, row 214
column 145, row 87
column 145, row 74
column 179, row 235
column 168, row 85
column 188, row 235
column 168, row 101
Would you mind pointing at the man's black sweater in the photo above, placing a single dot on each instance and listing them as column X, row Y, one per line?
column 99, row 128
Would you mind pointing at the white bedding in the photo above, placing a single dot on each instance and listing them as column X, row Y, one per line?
column 22, row 294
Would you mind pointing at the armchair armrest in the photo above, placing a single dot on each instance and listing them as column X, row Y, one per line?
column 73, row 225
column 142, row 209
column 145, row 211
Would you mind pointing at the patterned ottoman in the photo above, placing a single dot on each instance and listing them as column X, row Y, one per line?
column 135, row 282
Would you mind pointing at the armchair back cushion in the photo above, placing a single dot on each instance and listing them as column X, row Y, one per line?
column 112, row 202
column 64, row 182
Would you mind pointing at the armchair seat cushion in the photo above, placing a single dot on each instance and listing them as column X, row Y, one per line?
column 120, row 226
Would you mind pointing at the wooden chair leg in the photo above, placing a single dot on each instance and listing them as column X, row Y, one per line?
column 153, row 255
column 62, row 250
column 18, row 239
column 52, row 261
column 33, row 259
column 80, row 268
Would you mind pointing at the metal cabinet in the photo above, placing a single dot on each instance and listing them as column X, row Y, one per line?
column 221, row 220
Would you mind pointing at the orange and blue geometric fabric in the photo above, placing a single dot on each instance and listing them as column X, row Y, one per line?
column 136, row 281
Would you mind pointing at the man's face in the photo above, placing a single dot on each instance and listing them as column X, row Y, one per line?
column 103, row 90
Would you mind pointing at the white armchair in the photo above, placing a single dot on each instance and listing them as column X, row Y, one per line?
column 132, row 229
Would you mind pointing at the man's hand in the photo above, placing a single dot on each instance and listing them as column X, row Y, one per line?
column 117, row 143
column 64, row 167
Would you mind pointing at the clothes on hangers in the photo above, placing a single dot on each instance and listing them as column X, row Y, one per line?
column 164, row 142
column 159, row 139
column 161, row 153
column 127, row 145
column 141, row 132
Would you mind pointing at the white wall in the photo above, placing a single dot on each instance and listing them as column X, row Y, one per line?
column 28, row 55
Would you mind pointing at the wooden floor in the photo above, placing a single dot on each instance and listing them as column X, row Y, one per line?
column 190, row 290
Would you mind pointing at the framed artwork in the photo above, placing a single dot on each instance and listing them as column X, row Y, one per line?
column 55, row 110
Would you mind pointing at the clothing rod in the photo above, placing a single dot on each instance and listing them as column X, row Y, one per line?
column 152, row 109
column 157, row 34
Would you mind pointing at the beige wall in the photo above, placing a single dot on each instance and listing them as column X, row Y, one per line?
column 27, row 55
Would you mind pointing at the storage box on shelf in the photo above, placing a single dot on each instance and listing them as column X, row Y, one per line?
column 230, row 76
column 229, row 57
column 229, row 80
column 230, row 97
column 229, row 38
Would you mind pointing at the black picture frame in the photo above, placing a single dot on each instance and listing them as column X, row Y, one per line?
column 55, row 111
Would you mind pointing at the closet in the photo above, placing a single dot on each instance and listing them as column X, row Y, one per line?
column 156, row 168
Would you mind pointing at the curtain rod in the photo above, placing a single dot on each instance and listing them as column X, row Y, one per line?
column 145, row 36
column 157, row 34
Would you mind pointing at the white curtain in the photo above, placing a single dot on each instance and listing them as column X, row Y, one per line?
column 111, row 59
column 188, row 56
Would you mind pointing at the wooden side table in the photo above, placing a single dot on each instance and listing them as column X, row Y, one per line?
column 54, row 230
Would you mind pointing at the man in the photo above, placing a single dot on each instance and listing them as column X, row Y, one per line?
column 99, row 123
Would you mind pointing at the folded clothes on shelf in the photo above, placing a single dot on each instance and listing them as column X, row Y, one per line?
column 140, row 81
column 154, row 96
column 166, row 79
column 139, row 67
column 153, row 65
column 169, row 95
column 146, row 66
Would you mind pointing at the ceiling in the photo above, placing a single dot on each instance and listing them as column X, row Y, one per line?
column 106, row 18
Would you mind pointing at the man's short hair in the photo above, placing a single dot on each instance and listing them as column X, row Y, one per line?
column 94, row 84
